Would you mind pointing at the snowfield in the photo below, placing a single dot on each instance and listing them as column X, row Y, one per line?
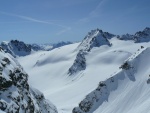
column 48, row 72
column 132, row 92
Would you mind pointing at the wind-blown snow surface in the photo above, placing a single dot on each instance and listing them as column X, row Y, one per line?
column 48, row 72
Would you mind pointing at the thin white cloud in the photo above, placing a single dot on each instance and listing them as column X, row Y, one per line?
column 94, row 13
column 11, row 22
column 65, row 28
column 63, row 31
column 97, row 9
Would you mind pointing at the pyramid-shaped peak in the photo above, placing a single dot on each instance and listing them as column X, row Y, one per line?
column 95, row 31
column 95, row 38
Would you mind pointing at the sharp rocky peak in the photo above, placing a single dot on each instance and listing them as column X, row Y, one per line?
column 95, row 38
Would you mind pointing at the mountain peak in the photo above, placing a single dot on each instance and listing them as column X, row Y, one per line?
column 142, row 36
column 95, row 38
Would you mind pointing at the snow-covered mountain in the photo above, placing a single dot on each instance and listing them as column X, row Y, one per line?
column 104, row 73
column 19, row 48
column 138, row 37
column 95, row 38
column 16, row 48
column 16, row 95
column 126, row 37
column 142, row 36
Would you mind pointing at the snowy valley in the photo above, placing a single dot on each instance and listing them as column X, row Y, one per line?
column 104, row 73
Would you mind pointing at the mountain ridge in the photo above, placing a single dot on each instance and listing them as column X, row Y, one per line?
column 127, row 70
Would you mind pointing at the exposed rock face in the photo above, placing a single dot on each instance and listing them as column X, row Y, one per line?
column 16, row 95
column 79, row 63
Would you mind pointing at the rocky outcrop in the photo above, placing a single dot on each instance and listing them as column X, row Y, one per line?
column 16, row 95
column 79, row 63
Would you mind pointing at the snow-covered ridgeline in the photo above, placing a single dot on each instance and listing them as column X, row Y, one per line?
column 129, row 70
column 95, row 38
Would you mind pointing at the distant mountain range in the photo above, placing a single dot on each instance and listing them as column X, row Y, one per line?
column 19, row 48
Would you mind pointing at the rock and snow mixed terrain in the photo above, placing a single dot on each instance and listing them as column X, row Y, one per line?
column 105, row 73
column 95, row 38
column 16, row 95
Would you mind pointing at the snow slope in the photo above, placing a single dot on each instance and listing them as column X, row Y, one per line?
column 48, row 71
column 132, row 93
column 127, row 91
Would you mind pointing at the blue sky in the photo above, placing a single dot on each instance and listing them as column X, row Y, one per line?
column 50, row 21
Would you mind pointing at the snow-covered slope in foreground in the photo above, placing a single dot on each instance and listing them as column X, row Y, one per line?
column 16, row 95
column 49, row 71
column 127, row 91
